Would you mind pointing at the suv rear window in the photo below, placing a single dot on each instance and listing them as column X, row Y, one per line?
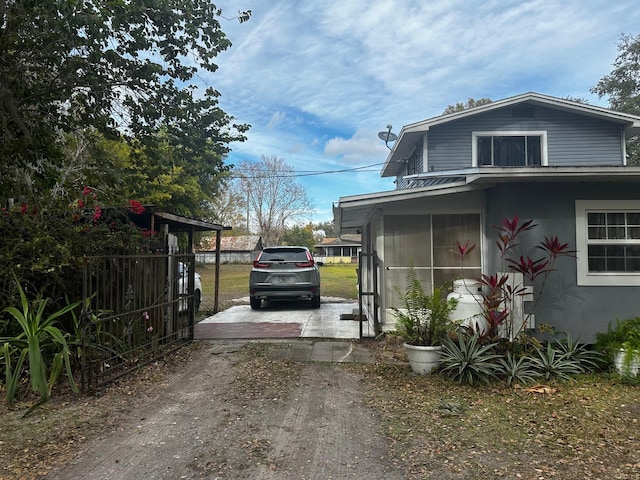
column 284, row 255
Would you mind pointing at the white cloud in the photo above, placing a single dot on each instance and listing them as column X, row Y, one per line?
column 363, row 146
column 319, row 80
column 276, row 120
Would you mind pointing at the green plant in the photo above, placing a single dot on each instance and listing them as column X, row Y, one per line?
column 588, row 360
column 424, row 319
column 624, row 336
column 468, row 361
column 42, row 342
column 554, row 362
column 518, row 369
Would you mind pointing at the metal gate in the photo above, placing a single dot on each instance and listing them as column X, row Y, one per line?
column 136, row 308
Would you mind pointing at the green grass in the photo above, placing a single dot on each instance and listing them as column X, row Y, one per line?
column 337, row 280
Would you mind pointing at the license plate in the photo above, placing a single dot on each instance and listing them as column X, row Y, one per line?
column 281, row 280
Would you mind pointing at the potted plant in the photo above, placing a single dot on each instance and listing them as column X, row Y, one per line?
column 422, row 323
column 621, row 344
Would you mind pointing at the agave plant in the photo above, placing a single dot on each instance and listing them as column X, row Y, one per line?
column 468, row 361
column 39, row 336
column 556, row 362
column 588, row 360
column 518, row 369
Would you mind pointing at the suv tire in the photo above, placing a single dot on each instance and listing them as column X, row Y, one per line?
column 255, row 303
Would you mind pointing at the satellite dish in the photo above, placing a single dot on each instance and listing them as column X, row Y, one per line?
column 388, row 136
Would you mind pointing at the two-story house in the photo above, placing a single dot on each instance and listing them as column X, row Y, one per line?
column 558, row 162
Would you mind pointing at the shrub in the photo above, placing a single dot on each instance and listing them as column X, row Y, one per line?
column 516, row 369
column 425, row 319
column 467, row 361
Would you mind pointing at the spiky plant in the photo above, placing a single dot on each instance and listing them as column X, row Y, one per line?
column 467, row 361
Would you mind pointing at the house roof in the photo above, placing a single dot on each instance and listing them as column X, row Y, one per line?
column 346, row 240
column 353, row 212
column 411, row 133
column 239, row 243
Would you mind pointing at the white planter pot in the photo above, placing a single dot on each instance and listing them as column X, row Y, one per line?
column 423, row 360
column 632, row 368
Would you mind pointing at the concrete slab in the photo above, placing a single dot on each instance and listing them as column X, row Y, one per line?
column 283, row 320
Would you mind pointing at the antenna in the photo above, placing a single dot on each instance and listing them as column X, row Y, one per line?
column 388, row 136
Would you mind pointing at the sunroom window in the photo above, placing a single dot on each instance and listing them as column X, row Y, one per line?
column 608, row 237
column 509, row 149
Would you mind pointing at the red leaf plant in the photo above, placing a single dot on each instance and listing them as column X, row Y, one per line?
column 498, row 292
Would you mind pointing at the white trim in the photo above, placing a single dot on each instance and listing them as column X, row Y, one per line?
column 425, row 152
column 544, row 159
column 622, row 279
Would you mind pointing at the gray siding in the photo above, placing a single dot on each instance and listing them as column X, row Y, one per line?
column 572, row 140
column 579, row 310
column 417, row 160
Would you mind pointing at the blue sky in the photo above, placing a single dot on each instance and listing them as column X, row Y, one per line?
column 317, row 80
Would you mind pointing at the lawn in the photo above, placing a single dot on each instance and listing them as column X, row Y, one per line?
column 337, row 280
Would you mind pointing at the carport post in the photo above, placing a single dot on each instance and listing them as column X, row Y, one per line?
column 217, row 273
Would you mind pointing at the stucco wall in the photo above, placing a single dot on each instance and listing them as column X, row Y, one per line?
column 582, row 311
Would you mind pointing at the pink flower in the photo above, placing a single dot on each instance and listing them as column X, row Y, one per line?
column 97, row 213
column 87, row 191
column 135, row 207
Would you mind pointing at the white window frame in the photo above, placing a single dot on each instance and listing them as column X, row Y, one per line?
column 584, row 277
column 544, row 160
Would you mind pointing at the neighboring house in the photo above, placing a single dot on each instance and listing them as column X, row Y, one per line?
column 558, row 162
column 239, row 249
column 344, row 249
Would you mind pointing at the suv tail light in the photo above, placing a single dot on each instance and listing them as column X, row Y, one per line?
column 309, row 263
column 259, row 264
column 305, row 264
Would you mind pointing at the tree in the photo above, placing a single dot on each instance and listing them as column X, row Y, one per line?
column 298, row 235
column 229, row 208
column 622, row 86
column 73, row 68
column 274, row 198
column 328, row 228
column 471, row 103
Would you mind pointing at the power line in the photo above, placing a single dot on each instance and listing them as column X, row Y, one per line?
column 306, row 173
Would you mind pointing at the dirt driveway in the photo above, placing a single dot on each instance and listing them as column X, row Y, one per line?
column 196, row 424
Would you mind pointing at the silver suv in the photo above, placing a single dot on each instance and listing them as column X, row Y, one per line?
column 286, row 273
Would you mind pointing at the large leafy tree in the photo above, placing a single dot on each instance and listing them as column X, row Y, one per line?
column 112, row 68
column 622, row 87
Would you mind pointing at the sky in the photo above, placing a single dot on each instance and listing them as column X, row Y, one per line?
column 318, row 79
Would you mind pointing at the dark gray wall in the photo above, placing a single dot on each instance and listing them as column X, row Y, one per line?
column 582, row 311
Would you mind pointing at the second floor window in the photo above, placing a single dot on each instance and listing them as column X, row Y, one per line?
column 509, row 150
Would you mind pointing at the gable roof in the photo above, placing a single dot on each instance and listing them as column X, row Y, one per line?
column 238, row 243
column 411, row 133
